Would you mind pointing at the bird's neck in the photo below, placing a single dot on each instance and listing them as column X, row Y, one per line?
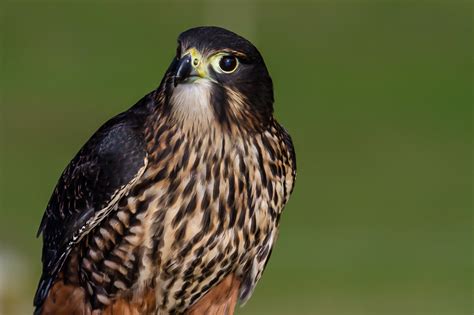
column 202, row 107
column 191, row 108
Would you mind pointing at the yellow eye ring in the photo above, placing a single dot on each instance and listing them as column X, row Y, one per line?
column 228, row 63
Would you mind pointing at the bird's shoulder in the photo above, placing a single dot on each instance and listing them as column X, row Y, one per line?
column 103, row 171
column 107, row 161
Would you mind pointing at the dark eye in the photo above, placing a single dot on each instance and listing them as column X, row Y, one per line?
column 228, row 63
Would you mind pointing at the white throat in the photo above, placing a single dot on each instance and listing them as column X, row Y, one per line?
column 191, row 104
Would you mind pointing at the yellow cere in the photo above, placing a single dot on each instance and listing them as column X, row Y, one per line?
column 198, row 62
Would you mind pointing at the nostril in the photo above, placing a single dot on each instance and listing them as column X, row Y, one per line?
column 195, row 62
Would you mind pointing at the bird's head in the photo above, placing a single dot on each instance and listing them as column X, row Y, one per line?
column 219, row 77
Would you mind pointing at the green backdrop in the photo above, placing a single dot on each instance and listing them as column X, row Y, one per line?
column 377, row 95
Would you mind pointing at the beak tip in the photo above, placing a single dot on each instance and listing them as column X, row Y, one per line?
column 183, row 70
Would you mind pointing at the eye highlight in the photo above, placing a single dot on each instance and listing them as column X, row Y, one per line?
column 228, row 63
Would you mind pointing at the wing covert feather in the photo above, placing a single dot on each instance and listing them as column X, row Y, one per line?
column 102, row 172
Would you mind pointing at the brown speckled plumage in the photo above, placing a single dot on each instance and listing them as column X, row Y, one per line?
column 190, row 225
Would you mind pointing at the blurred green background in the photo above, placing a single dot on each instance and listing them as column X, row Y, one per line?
column 377, row 95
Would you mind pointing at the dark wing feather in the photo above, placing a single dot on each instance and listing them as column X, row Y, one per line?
column 99, row 175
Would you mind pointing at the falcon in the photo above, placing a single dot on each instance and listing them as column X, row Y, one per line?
column 173, row 206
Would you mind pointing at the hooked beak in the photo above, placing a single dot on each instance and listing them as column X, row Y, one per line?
column 185, row 69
